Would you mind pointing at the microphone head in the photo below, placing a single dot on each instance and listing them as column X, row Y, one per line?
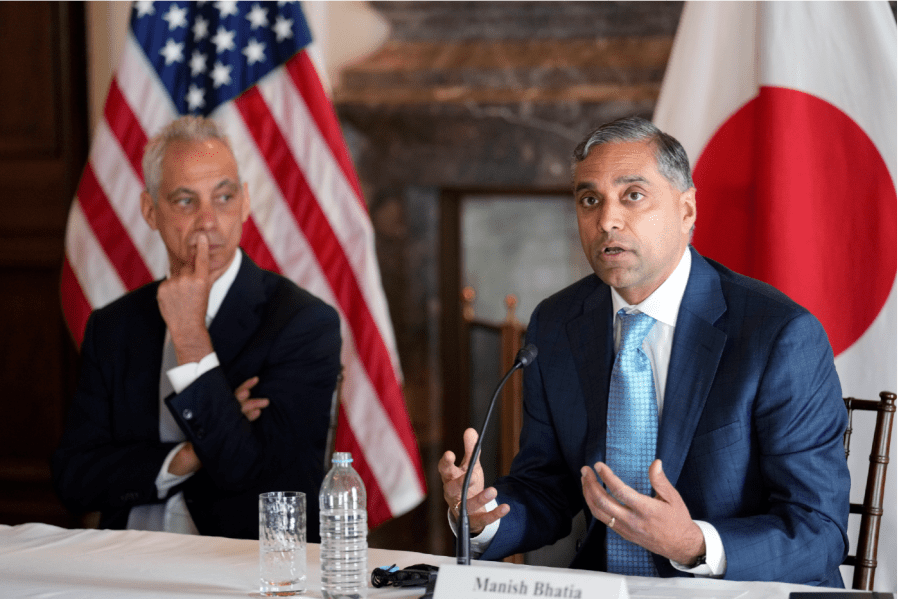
column 526, row 354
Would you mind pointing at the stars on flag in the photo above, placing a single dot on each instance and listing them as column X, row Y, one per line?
column 195, row 97
column 283, row 28
column 172, row 51
column 257, row 17
column 143, row 8
column 197, row 63
column 254, row 51
column 223, row 40
column 221, row 74
column 208, row 52
column 176, row 17
column 227, row 7
column 200, row 28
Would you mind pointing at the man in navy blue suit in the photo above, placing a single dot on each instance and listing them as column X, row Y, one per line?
column 750, row 480
column 162, row 433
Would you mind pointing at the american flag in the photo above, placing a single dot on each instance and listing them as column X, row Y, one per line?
column 245, row 65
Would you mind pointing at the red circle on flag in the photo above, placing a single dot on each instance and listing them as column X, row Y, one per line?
column 791, row 191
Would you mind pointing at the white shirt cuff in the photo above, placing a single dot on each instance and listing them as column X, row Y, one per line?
column 165, row 480
column 479, row 543
column 715, row 561
column 183, row 376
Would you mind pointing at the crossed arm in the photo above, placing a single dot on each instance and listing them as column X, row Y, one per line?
column 183, row 299
column 110, row 457
column 186, row 460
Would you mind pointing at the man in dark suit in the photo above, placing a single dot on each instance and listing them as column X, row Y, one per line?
column 750, row 480
column 162, row 433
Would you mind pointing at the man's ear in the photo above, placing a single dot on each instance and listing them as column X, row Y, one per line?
column 148, row 209
column 688, row 208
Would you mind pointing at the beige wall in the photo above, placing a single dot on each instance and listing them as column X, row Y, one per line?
column 107, row 23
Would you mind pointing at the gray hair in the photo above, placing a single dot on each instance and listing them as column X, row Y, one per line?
column 671, row 159
column 186, row 128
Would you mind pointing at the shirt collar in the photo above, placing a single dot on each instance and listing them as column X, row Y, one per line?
column 221, row 286
column 663, row 304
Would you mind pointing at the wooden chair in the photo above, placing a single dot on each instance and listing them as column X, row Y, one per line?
column 510, row 334
column 864, row 561
column 511, row 339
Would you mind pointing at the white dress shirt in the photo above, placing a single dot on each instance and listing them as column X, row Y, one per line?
column 173, row 515
column 663, row 305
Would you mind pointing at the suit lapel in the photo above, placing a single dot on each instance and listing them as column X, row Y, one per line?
column 142, row 410
column 240, row 313
column 590, row 338
column 591, row 342
column 695, row 353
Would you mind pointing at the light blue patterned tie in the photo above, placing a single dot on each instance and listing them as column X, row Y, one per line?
column 632, row 428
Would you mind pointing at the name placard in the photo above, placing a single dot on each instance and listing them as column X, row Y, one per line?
column 497, row 581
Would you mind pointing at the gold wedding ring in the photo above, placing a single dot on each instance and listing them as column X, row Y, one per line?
column 611, row 523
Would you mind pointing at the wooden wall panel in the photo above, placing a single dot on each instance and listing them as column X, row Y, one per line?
column 27, row 34
column 43, row 122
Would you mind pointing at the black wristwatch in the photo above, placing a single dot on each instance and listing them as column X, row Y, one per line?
column 699, row 561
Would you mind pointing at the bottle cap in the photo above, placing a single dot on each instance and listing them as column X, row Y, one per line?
column 342, row 457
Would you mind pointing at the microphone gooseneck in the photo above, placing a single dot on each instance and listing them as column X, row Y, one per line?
column 525, row 357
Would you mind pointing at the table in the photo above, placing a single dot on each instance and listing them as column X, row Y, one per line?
column 39, row 561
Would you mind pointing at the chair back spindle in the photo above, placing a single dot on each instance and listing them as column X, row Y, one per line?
column 864, row 561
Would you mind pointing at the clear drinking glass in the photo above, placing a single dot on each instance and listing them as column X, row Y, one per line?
column 282, row 543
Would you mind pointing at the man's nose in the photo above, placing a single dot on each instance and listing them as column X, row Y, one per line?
column 206, row 218
column 611, row 216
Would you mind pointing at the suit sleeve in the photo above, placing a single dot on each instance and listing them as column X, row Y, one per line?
column 88, row 472
column 297, row 372
column 540, row 490
column 798, row 422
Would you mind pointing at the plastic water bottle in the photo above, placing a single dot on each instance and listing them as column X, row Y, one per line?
column 344, row 531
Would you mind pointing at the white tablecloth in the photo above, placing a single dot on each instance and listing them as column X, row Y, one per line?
column 38, row 561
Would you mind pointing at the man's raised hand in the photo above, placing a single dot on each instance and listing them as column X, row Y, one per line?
column 453, row 476
column 662, row 524
column 250, row 406
column 183, row 299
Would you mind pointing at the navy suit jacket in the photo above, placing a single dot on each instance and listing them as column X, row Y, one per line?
column 110, row 453
column 750, row 433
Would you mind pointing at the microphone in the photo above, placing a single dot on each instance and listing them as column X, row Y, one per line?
column 526, row 355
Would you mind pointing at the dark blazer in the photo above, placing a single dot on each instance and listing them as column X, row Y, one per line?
column 750, row 433
column 110, row 453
